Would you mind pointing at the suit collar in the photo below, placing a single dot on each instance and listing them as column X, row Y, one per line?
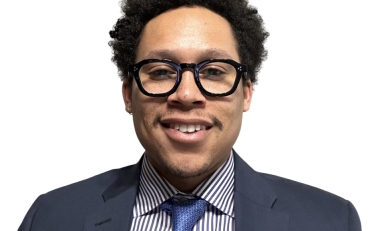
column 119, row 198
column 254, row 200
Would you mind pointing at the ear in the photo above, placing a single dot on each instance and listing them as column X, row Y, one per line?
column 247, row 94
column 127, row 95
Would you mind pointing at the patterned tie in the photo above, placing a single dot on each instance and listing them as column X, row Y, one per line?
column 184, row 213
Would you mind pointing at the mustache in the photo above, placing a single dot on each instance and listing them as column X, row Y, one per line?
column 215, row 121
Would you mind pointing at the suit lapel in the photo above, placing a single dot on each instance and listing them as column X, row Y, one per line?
column 254, row 200
column 119, row 198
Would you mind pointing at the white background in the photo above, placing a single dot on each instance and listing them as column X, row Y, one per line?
column 316, row 117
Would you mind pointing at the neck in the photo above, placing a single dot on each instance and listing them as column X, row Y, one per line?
column 184, row 180
column 186, row 184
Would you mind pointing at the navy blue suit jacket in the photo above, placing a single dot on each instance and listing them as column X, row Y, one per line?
column 262, row 203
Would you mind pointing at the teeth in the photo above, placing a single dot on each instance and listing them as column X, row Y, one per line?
column 191, row 128
column 188, row 128
column 183, row 128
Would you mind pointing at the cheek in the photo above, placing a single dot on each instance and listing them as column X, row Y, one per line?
column 145, row 110
column 143, row 117
column 230, row 111
column 235, row 112
column 140, row 112
column 140, row 103
column 238, row 102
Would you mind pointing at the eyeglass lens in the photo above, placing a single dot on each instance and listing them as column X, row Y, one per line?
column 160, row 77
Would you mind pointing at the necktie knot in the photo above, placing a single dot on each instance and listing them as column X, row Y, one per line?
column 185, row 214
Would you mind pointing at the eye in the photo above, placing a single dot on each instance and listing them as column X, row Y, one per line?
column 213, row 72
column 158, row 71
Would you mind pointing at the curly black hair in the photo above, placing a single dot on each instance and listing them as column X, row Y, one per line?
column 244, row 19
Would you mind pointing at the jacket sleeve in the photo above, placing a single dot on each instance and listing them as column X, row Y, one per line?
column 26, row 225
column 353, row 218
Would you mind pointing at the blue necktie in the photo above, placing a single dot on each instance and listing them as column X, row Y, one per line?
column 184, row 213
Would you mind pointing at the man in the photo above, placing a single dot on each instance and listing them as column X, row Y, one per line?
column 187, row 69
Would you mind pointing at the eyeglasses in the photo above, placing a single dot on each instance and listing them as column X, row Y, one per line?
column 214, row 77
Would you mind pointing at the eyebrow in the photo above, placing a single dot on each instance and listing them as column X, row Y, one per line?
column 173, row 54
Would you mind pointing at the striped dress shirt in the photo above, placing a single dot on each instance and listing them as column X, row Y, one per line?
column 217, row 190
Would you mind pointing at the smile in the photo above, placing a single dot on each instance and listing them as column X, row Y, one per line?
column 187, row 128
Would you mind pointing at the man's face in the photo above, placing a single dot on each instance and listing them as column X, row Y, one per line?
column 187, row 35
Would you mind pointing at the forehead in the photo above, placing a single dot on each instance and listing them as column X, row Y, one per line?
column 186, row 34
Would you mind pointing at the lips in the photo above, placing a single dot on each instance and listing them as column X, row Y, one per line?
column 186, row 131
column 188, row 128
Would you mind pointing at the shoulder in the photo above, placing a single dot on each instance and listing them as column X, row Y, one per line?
column 65, row 208
column 88, row 188
column 307, row 207
column 308, row 204
column 295, row 191
column 305, row 204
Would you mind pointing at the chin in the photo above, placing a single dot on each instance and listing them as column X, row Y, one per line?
column 188, row 172
column 187, row 167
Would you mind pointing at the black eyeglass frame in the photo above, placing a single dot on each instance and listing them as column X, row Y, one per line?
column 241, row 69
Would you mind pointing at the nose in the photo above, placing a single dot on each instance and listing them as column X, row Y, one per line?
column 187, row 94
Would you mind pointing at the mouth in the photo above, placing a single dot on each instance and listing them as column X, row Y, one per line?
column 186, row 128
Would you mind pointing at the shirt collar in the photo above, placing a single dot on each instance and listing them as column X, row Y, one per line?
column 216, row 189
